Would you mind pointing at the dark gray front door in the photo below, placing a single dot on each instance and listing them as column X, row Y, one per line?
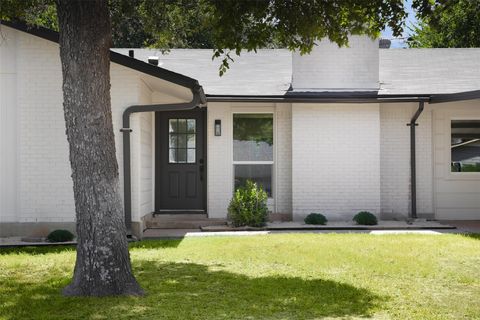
column 180, row 172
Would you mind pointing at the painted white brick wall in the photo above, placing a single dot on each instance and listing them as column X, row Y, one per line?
column 424, row 161
column 8, row 126
column 146, row 165
column 330, row 67
column 457, row 195
column 335, row 159
column 395, row 160
column 45, row 191
column 283, row 161
column 219, row 160
column 220, row 153
column 38, row 185
column 316, row 145
column 124, row 93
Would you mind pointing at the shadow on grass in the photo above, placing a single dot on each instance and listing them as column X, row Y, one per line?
column 36, row 250
column 156, row 244
column 192, row 291
column 475, row 236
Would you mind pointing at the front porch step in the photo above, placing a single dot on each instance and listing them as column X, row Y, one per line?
column 179, row 216
column 182, row 221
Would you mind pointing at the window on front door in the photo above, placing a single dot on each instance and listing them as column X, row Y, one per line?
column 253, row 149
column 181, row 137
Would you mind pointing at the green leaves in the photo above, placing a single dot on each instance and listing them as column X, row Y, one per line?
column 447, row 24
column 231, row 26
column 248, row 206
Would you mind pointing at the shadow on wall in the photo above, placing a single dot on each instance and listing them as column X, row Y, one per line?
column 192, row 291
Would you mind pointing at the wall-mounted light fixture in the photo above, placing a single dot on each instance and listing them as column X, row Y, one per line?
column 218, row 127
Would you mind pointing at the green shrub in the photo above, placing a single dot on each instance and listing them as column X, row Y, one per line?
column 60, row 236
column 248, row 206
column 315, row 218
column 365, row 218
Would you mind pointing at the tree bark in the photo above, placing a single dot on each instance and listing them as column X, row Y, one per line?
column 102, row 266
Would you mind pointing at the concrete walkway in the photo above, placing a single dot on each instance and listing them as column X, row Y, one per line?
column 188, row 233
column 339, row 225
column 383, row 228
column 467, row 226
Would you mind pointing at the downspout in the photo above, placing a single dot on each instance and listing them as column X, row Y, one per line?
column 413, row 165
column 198, row 100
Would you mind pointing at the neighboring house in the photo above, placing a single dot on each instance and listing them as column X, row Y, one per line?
column 325, row 132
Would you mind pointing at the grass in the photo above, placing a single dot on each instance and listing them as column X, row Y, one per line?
column 282, row 276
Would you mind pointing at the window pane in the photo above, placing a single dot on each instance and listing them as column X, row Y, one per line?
column 191, row 141
column 191, row 125
column 173, row 141
column 172, row 155
column 182, row 141
column 181, row 155
column 191, row 156
column 182, row 125
column 253, row 137
column 465, row 146
column 172, row 125
column 259, row 173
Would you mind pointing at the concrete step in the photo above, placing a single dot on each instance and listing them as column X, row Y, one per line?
column 179, row 216
column 168, row 233
column 176, row 221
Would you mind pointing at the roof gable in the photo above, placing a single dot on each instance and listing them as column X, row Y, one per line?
column 115, row 57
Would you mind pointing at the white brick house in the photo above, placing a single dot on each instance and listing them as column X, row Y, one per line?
column 335, row 123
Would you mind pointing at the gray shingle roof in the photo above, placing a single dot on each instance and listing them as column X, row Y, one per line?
column 269, row 71
column 429, row 71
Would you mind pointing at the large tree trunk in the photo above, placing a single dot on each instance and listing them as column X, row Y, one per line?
column 103, row 262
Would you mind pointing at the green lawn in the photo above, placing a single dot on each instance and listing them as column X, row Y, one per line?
column 282, row 276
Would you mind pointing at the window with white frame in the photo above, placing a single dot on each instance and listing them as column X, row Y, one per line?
column 253, row 149
column 465, row 146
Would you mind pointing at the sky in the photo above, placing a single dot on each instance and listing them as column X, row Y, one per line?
column 411, row 20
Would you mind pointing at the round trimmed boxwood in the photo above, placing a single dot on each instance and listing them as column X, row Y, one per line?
column 315, row 218
column 365, row 218
column 60, row 236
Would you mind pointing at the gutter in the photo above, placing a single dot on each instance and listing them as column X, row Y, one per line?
column 320, row 98
column 413, row 165
column 198, row 100
column 452, row 97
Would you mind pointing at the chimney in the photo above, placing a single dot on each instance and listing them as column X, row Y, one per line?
column 131, row 53
column 330, row 68
column 153, row 60
column 384, row 43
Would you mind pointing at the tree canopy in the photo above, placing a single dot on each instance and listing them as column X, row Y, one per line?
column 230, row 26
column 451, row 24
